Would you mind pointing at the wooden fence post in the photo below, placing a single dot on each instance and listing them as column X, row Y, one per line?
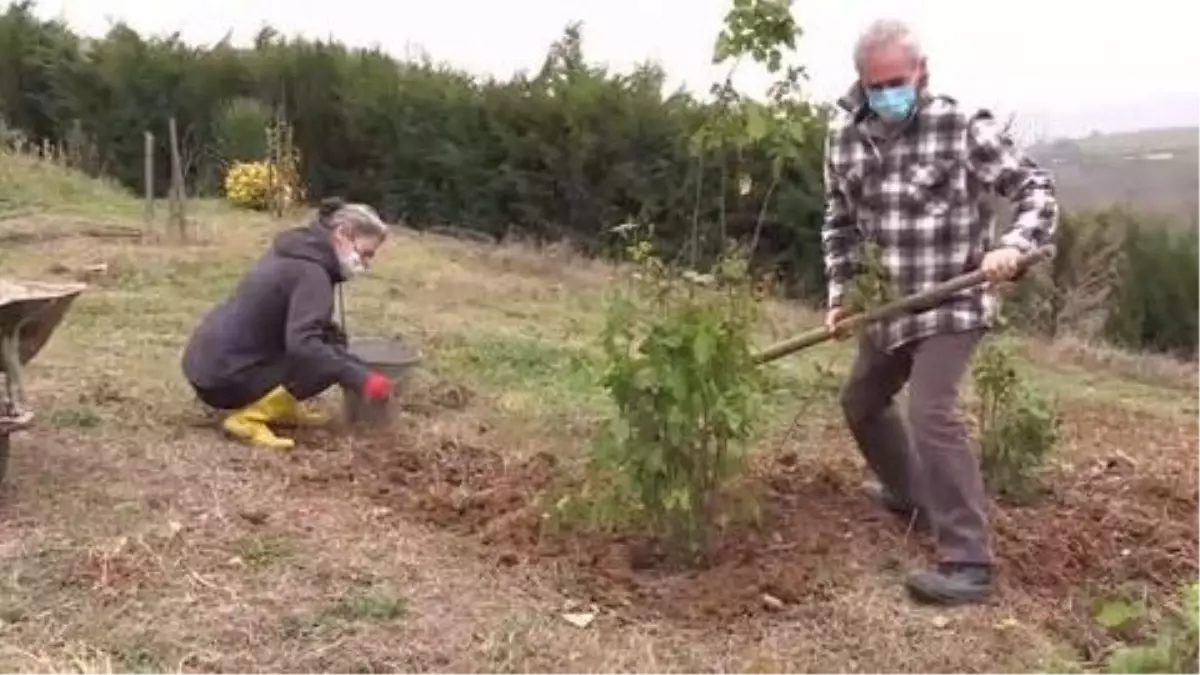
column 178, row 194
column 148, row 177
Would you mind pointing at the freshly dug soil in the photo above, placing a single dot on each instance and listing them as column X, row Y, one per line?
column 1104, row 524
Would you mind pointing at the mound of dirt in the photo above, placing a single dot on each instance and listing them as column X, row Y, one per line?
column 812, row 530
column 1101, row 532
column 811, row 535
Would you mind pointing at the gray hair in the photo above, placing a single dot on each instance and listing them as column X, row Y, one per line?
column 359, row 220
column 886, row 33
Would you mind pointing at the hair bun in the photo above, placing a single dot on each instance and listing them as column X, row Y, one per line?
column 329, row 205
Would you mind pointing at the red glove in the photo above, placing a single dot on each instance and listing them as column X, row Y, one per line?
column 377, row 387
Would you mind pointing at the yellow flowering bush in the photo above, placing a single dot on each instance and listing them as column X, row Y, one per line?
column 247, row 185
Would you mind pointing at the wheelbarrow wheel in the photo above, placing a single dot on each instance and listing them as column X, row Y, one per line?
column 3, row 455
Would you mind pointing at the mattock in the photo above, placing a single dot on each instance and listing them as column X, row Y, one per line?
column 925, row 300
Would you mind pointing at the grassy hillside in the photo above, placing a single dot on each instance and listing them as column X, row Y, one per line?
column 1154, row 170
column 134, row 538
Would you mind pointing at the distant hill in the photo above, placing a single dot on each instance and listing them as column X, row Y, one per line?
column 1152, row 170
column 1064, row 119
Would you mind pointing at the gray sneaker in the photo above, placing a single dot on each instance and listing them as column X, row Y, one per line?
column 951, row 584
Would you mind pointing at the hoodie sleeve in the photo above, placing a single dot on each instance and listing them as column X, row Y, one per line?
column 309, row 309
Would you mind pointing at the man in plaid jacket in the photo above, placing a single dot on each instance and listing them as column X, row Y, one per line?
column 909, row 171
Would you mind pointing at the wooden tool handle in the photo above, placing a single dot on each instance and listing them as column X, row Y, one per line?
column 917, row 302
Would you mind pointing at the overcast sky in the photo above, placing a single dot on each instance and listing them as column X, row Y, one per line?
column 1132, row 66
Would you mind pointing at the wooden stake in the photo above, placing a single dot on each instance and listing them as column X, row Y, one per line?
column 178, row 217
column 148, row 176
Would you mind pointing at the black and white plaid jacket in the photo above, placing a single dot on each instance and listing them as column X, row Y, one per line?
column 919, row 195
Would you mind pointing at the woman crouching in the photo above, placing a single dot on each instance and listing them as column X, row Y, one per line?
column 273, row 343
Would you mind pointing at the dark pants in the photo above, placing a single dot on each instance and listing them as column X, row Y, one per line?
column 931, row 468
column 251, row 385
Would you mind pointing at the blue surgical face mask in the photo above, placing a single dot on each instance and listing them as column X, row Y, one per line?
column 893, row 103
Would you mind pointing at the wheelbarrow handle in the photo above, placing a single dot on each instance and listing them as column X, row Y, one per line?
column 917, row 302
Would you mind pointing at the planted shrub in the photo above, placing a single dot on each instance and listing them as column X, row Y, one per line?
column 1176, row 640
column 1018, row 427
column 687, row 397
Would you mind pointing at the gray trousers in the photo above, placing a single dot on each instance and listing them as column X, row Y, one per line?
column 928, row 465
column 254, row 383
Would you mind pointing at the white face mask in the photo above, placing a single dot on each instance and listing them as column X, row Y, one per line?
column 352, row 264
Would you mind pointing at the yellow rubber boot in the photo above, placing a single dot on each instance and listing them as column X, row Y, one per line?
column 292, row 412
column 250, row 423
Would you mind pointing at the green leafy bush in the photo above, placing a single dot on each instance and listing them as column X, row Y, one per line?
column 871, row 285
column 1018, row 427
column 1177, row 649
column 678, row 352
column 1156, row 303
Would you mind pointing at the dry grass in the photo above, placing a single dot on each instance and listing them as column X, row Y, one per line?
column 1156, row 369
column 134, row 538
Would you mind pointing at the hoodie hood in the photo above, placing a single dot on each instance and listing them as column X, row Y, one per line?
column 309, row 243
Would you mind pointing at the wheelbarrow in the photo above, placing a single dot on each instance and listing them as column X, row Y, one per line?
column 918, row 302
column 30, row 311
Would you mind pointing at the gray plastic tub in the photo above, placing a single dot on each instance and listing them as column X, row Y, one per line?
column 393, row 358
